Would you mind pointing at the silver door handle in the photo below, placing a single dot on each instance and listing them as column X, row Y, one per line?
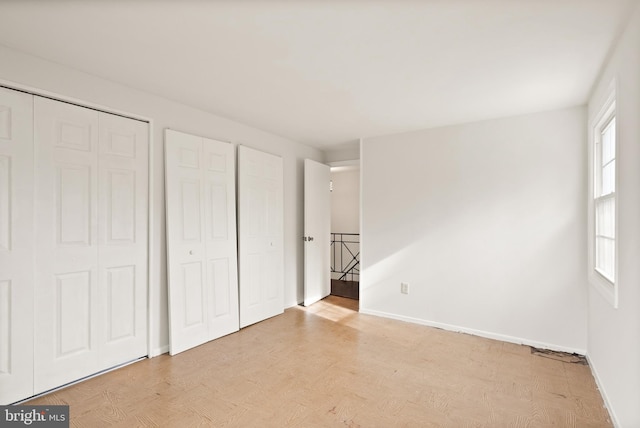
column 307, row 238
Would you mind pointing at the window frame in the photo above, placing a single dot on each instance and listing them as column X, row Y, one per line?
column 606, row 286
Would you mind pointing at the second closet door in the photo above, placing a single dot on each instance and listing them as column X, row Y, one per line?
column 261, row 236
column 91, row 208
column 201, row 239
column 122, row 239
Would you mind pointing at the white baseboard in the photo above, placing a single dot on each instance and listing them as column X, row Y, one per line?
column 474, row 332
column 159, row 351
column 603, row 393
column 74, row 382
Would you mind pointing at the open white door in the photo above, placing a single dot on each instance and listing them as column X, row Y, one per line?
column 317, row 231
column 261, row 256
column 201, row 239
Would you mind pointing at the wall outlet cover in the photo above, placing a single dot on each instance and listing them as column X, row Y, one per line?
column 404, row 288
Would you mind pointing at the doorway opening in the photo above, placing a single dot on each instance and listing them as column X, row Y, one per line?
column 345, row 230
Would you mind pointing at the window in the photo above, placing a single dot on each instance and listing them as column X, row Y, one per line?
column 603, row 201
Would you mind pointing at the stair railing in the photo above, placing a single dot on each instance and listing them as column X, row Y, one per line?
column 345, row 255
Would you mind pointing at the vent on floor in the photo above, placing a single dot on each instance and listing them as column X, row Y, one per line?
column 560, row 356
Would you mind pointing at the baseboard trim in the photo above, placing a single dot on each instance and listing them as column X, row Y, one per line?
column 159, row 351
column 74, row 382
column 474, row 332
column 603, row 393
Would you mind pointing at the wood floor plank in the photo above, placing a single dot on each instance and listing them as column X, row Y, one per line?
column 328, row 365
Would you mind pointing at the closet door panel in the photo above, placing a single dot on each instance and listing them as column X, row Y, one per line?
column 188, row 291
column 201, row 233
column 66, row 286
column 16, row 246
column 122, row 239
column 220, row 236
column 260, row 215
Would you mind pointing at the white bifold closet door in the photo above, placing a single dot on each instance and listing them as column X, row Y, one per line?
column 91, row 245
column 261, row 239
column 201, row 239
column 16, row 246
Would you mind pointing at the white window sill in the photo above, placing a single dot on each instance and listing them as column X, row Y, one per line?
column 607, row 289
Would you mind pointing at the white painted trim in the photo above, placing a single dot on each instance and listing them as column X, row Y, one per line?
column 82, row 103
column 474, row 332
column 603, row 393
column 360, row 193
column 605, row 288
column 164, row 349
column 77, row 381
column 151, row 238
column 605, row 102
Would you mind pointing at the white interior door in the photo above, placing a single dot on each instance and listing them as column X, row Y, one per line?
column 261, row 239
column 317, row 231
column 66, row 298
column 221, row 239
column 122, row 239
column 16, row 246
column 91, row 234
column 201, row 239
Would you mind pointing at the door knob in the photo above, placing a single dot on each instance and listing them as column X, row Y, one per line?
column 308, row 238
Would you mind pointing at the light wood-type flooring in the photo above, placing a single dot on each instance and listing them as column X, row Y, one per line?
column 329, row 366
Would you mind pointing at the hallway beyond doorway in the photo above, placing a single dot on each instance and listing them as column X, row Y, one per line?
column 348, row 289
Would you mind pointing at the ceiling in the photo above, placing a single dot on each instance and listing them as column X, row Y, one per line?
column 326, row 73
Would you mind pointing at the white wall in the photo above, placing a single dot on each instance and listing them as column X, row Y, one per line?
column 486, row 222
column 347, row 152
column 37, row 73
column 345, row 201
column 614, row 334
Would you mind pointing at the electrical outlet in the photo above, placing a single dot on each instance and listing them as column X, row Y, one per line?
column 404, row 288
